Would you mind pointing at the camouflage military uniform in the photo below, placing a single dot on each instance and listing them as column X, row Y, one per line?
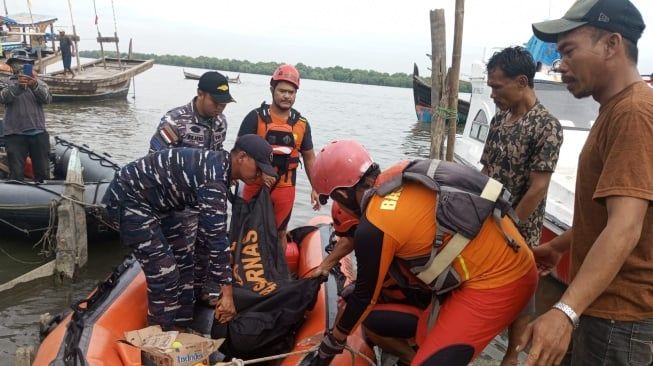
column 183, row 127
column 145, row 190
column 513, row 151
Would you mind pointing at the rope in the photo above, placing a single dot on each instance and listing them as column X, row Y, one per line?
column 70, row 10
column 115, row 23
column 239, row 362
column 24, row 231
column 97, row 23
column 104, row 160
column 47, row 241
column 447, row 113
column 18, row 260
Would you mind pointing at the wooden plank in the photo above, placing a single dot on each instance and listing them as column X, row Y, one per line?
column 455, row 75
column 25, row 355
column 108, row 39
column 40, row 272
column 72, row 250
column 438, row 72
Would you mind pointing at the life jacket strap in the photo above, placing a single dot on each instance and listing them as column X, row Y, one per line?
column 439, row 261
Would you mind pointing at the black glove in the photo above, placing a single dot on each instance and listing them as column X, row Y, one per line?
column 330, row 346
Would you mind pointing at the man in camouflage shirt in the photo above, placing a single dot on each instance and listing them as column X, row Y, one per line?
column 521, row 151
column 149, row 188
column 199, row 124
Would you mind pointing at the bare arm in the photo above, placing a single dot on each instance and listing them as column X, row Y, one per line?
column 344, row 246
column 538, row 183
column 551, row 332
column 309, row 159
column 609, row 252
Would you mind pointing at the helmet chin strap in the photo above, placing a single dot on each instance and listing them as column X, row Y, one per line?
column 350, row 202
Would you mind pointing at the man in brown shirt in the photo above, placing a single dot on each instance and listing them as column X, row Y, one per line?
column 611, row 238
column 521, row 151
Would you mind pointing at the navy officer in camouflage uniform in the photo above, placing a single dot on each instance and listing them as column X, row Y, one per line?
column 147, row 189
column 199, row 124
column 521, row 151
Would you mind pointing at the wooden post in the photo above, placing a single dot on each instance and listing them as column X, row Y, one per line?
column 441, row 117
column 54, row 45
column 438, row 70
column 117, row 50
column 24, row 355
column 455, row 76
column 72, row 252
column 75, row 38
column 99, row 39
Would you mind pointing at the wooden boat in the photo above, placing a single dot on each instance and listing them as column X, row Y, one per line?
column 28, row 207
column 93, row 331
column 190, row 75
column 27, row 35
column 235, row 80
column 422, row 99
column 102, row 78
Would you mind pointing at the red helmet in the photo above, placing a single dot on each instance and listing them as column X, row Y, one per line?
column 343, row 221
column 287, row 73
column 340, row 164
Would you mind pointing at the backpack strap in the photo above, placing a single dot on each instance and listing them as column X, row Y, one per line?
column 439, row 261
column 264, row 112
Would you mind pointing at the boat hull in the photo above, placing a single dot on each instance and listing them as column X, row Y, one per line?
column 30, row 208
column 422, row 99
column 323, row 315
column 99, row 79
column 191, row 76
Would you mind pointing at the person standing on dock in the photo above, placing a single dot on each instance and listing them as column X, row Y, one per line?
column 608, row 306
column 24, row 129
column 146, row 190
column 200, row 124
column 290, row 136
column 521, row 151
column 67, row 49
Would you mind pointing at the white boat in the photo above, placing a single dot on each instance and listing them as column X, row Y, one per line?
column 576, row 117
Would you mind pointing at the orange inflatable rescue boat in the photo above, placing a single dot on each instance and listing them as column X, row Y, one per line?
column 92, row 334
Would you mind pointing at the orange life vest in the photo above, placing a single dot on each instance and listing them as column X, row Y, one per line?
column 286, row 140
column 462, row 206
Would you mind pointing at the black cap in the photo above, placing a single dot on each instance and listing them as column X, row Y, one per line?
column 260, row 150
column 619, row 16
column 217, row 85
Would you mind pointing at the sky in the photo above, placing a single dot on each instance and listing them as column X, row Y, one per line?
column 382, row 35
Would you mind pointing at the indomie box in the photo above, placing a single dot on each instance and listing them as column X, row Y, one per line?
column 172, row 348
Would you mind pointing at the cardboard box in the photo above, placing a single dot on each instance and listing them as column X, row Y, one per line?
column 157, row 347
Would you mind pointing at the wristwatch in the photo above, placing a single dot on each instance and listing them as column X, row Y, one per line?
column 569, row 312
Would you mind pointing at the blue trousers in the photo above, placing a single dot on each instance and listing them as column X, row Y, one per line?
column 605, row 342
column 168, row 265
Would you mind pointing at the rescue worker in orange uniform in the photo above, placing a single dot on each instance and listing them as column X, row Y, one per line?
column 290, row 136
column 486, row 283
column 391, row 324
